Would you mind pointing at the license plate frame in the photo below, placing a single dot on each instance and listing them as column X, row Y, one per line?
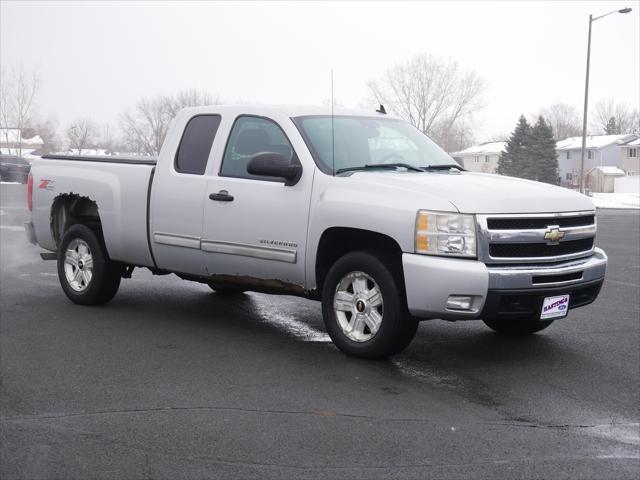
column 554, row 307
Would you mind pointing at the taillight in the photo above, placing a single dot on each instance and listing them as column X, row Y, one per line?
column 30, row 192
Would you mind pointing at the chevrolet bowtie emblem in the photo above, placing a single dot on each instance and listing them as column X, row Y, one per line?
column 554, row 235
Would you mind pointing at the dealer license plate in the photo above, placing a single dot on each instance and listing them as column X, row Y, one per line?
column 555, row 307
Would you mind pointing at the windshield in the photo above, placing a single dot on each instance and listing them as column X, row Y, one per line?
column 360, row 141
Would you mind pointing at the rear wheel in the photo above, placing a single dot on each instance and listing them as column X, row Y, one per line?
column 517, row 326
column 86, row 274
column 364, row 307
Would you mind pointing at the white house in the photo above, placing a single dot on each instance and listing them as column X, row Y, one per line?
column 480, row 158
column 630, row 157
column 602, row 151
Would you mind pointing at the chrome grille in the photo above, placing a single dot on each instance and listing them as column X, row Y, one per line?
column 521, row 238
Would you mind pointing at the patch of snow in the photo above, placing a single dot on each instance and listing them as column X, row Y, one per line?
column 294, row 327
column 484, row 148
column 616, row 200
column 13, row 136
column 608, row 170
column 593, row 141
column 620, row 432
column 11, row 183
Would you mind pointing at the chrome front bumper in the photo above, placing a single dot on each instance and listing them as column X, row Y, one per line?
column 430, row 280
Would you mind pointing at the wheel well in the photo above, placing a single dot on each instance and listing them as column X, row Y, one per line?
column 338, row 241
column 70, row 209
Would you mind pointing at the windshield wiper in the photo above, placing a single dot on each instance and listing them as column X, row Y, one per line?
column 374, row 166
column 446, row 166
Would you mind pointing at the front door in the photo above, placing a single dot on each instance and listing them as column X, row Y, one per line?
column 255, row 226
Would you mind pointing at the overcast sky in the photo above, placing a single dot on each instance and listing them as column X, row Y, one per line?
column 96, row 58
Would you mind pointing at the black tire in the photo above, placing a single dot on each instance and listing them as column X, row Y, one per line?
column 397, row 327
column 517, row 326
column 227, row 289
column 107, row 274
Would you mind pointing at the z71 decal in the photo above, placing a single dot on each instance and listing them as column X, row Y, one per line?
column 47, row 184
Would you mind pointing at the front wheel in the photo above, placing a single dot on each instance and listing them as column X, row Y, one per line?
column 86, row 274
column 517, row 326
column 364, row 307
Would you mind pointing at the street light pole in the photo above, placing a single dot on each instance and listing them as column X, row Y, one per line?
column 586, row 96
column 584, row 117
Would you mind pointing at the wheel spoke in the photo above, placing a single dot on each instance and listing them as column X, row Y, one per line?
column 77, row 275
column 374, row 297
column 359, row 284
column 373, row 321
column 83, row 249
column 358, row 324
column 86, row 276
column 88, row 262
column 71, row 257
column 343, row 301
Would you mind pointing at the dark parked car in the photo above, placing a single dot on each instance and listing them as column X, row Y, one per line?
column 14, row 169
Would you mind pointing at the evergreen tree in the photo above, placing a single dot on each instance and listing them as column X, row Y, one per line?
column 542, row 162
column 612, row 128
column 515, row 155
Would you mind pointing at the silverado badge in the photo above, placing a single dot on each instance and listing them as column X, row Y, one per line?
column 554, row 234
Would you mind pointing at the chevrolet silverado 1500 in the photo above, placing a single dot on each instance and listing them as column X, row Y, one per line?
column 359, row 210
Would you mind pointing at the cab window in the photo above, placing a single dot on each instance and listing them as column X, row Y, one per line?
column 195, row 145
column 251, row 135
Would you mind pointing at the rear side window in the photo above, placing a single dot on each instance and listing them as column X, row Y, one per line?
column 196, row 142
column 251, row 135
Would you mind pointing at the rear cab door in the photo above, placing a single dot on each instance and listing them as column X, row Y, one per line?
column 179, row 189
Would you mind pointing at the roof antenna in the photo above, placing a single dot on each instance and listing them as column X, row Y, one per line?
column 333, row 145
column 381, row 110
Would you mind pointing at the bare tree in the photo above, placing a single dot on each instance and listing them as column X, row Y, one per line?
column 564, row 119
column 18, row 89
column 625, row 119
column 434, row 95
column 108, row 138
column 144, row 128
column 82, row 134
column 190, row 98
column 48, row 131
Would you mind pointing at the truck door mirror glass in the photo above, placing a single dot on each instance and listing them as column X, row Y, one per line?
column 273, row 164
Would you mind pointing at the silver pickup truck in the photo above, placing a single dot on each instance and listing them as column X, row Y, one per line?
column 358, row 210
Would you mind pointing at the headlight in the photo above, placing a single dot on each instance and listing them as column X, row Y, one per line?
column 445, row 234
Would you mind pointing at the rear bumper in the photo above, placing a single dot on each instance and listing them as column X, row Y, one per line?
column 506, row 291
column 31, row 233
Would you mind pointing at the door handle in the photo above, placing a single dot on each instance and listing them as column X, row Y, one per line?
column 221, row 196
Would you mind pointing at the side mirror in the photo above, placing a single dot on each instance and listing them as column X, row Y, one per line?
column 272, row 164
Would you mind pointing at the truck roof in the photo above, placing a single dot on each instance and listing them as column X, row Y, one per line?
column 288, row 110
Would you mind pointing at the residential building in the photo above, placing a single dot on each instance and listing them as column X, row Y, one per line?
column 480, row 158
column 602, row 150
column 630, row 153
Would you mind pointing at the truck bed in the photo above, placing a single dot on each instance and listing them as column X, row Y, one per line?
column 120, row 188
column 104, row 159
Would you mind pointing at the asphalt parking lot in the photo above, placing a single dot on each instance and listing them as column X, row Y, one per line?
column 170, row 380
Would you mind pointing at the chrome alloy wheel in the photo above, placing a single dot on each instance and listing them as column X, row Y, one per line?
column 357, row 304
column 78, row 265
